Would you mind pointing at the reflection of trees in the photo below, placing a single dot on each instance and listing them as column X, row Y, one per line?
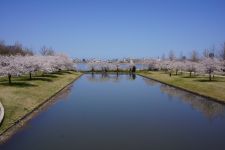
column 132, row 76
column 103, row 77
column 99, row 66
column 115, row 77
column 64, row 93
column 150, row 82
column 209, row 108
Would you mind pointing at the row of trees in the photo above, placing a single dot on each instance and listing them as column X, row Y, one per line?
column 206, row 65
column 19, row 65
column 105, row 66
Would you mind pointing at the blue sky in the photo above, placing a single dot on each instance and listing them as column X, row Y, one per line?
column 114, row 28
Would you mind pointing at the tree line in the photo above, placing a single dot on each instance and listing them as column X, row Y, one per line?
column 16, row 49
column 16, row 61
column 195, row 55
column 19, row 49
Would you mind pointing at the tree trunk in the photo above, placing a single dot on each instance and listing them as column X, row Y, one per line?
column 9, row 76
column 190, row 73
column 30, row 76
column 210, row 77
column 176, row 72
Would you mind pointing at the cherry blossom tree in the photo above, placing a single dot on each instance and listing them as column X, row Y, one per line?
column 191, row 67
column 63, row 62
column 167, row 66
column 91, row 66
column 178, row 66
column 149, row 64
column 30, row 64
column 210, row 65
column 115, row 66
column 223, row 65
column 11, row 66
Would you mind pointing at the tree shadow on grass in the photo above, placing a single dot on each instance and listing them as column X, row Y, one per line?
column 37, row 79
column 68, row 72
column 62, row 72
column 189, row 77
column 163, row 73
column 58, row 73
column 18, row 84
column 207, row 80
column 47, row 76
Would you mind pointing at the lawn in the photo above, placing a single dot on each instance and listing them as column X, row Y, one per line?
column 23, row 95
column 198, row 84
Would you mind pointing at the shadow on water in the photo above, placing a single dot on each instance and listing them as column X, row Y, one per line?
column 210, row 109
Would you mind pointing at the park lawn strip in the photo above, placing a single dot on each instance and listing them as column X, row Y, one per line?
column 197, row 84
column 24, row 95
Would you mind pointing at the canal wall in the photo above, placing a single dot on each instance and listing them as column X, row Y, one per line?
column 2, row 112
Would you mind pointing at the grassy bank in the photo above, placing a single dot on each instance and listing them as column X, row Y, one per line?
column 197, row 84
column 23, row 95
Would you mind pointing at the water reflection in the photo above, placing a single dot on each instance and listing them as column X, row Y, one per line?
column 208, row 108
column 132, row 76
column 150, row 82
column 85, row 67
column 104, row 77
column 64, row 93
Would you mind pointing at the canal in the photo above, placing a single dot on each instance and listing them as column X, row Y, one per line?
column 123, row 112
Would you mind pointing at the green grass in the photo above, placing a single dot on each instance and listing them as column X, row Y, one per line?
column 23, row 95
column 198, row 84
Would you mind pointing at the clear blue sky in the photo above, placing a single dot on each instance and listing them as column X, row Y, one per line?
column 114, row 28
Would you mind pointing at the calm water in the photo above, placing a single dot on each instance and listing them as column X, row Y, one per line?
column 110, row 112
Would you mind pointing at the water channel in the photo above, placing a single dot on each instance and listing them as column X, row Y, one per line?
column 123, row 112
